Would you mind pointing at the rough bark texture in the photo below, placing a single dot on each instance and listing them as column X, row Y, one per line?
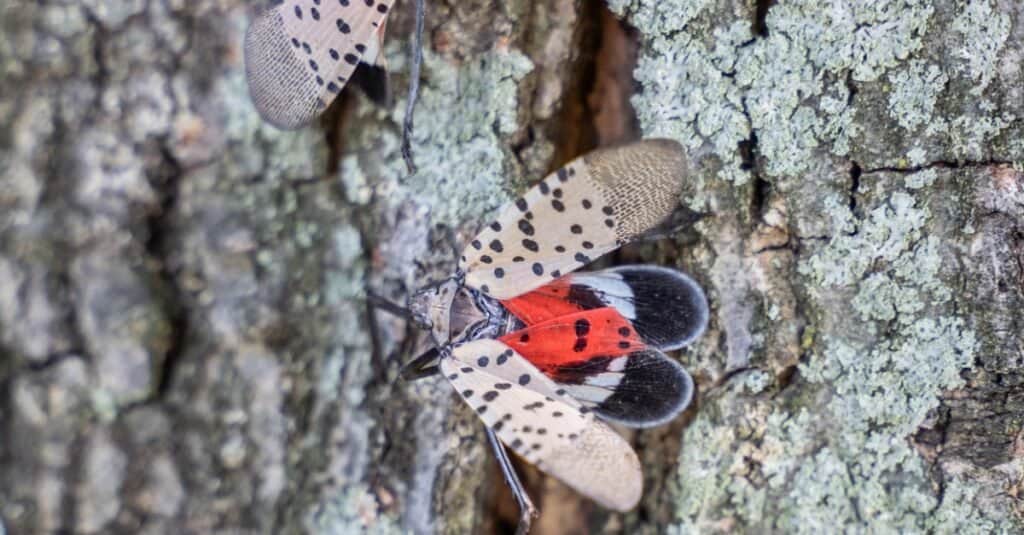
column 184, row 346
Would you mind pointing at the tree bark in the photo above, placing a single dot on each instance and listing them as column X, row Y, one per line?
column 185, row 346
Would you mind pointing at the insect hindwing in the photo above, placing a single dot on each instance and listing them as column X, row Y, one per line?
column 599, row 359
column 582, row 211
column 299, row 54
column 667, row 309
column 543, row 424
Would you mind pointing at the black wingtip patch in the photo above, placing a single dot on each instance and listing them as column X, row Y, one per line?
column 373, row 80
column 671, row 308
column 654, row 389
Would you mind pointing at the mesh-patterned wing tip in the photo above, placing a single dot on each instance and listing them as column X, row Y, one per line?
column 284, row 92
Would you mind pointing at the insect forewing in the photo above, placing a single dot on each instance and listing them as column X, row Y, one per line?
column 587, row 208
column 536, row 419
column 299, row 54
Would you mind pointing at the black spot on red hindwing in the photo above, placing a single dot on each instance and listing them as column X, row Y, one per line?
column 582, row 327
column 581, row 344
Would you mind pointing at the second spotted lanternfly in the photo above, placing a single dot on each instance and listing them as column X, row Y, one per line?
column 299, row 54
column 543, row 354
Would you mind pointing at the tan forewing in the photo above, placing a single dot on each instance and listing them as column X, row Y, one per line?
column 553, row 432
column 584, row 210
column 300, row 54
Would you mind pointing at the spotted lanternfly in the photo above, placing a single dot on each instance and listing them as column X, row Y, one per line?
column 545, row 356
column 299, row 54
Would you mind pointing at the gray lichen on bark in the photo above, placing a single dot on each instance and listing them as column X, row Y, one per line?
column 184, row 343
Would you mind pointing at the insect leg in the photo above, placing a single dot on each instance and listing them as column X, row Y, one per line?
column 414, row 87
column 377, row 301
column 527, row 512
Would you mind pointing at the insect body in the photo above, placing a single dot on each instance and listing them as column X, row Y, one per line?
column 544, row 355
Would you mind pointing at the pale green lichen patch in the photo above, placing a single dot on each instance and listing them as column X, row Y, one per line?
column 970, row 135
column 882, row 391
column 838, row 456
column 983, row 31
column 790, row 87
column 915, row 90
column 461, row 117
column 960, row 511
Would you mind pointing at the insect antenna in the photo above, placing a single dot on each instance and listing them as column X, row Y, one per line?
column 414, row 87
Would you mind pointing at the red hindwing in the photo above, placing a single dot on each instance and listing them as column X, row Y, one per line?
column 573, row 338
column 550, row 301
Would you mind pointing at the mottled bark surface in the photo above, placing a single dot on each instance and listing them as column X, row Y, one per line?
column 185, row 348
